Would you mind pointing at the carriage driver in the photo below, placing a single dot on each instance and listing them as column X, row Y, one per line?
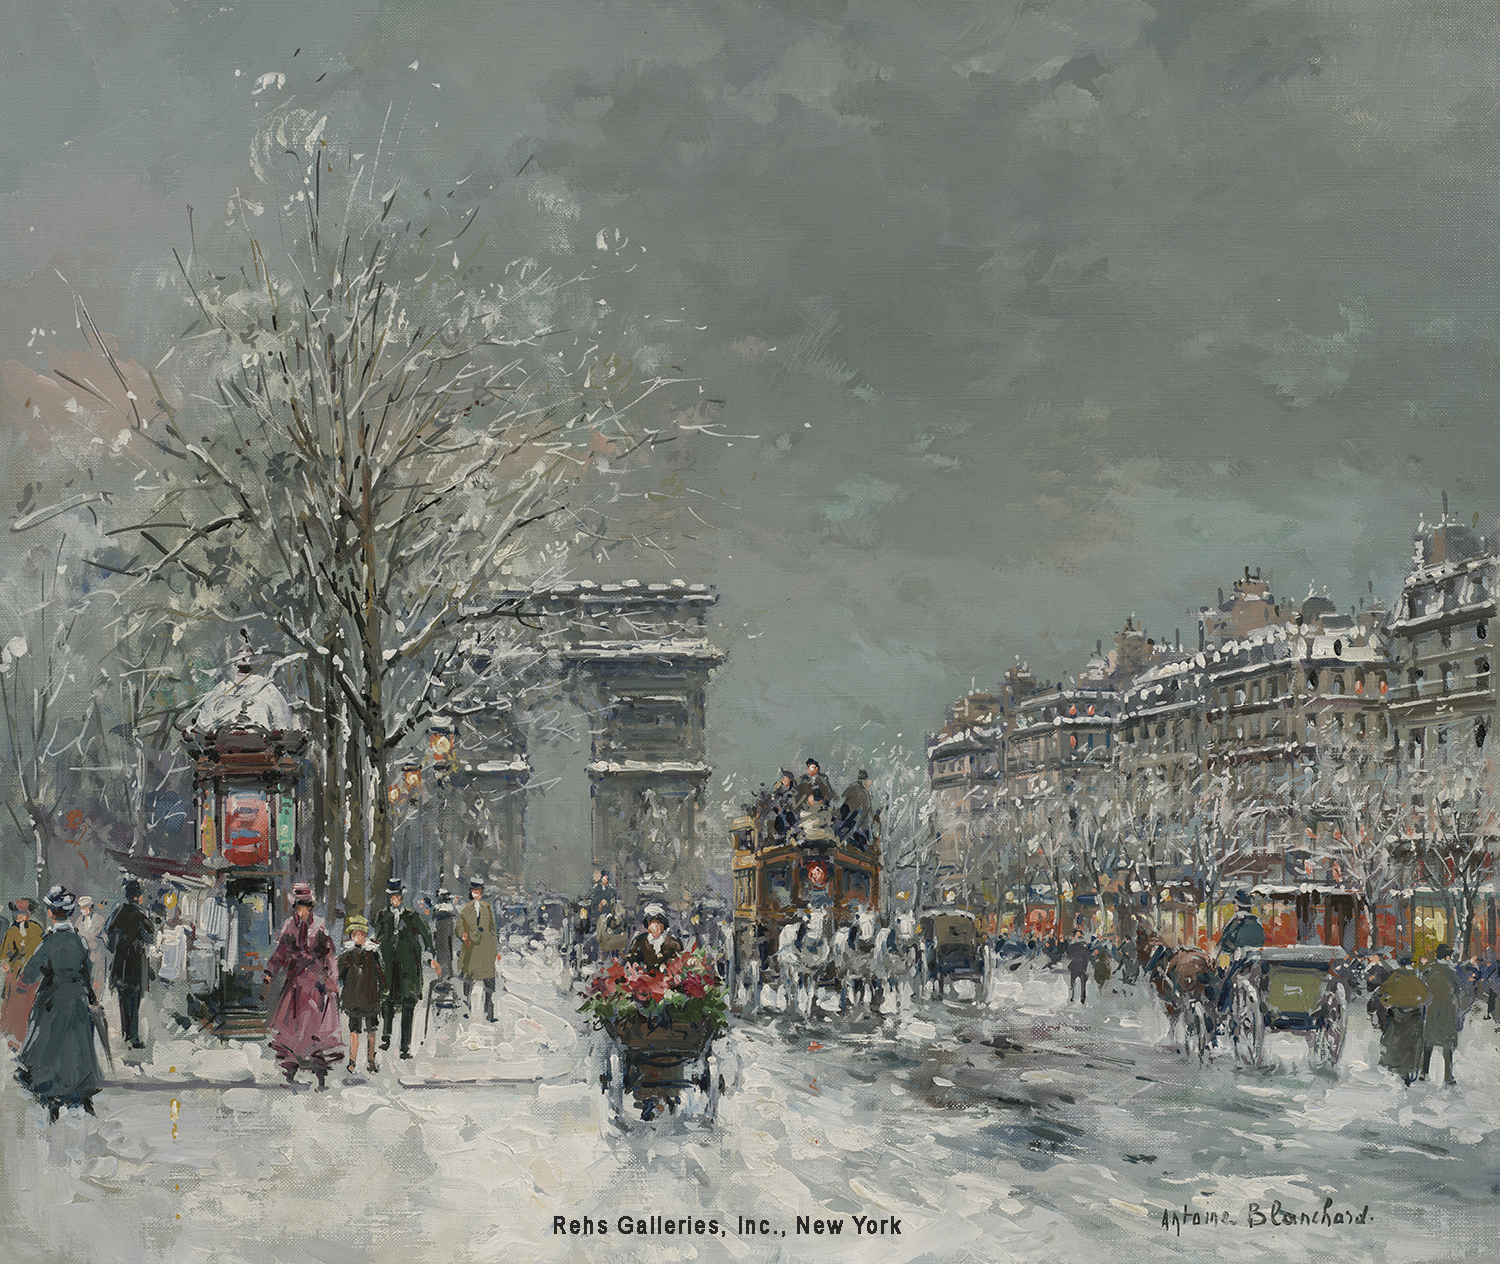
column 1243, row 930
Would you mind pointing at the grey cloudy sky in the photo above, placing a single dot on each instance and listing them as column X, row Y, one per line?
column 1039, row 314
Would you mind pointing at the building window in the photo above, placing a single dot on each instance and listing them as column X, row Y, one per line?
column 1446, row 638
column 1481, row 630
column 1338, row 683
column 1481, row 731
column 1239, row 695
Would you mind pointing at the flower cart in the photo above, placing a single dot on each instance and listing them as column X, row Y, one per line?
column 658, row 1027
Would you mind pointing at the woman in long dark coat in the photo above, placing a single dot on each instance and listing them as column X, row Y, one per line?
column 1404, row 994
column 58, row 1063
column 305, row 1030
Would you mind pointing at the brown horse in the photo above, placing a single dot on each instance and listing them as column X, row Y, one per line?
column 1185, row 980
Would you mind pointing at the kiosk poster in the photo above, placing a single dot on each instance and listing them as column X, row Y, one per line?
column 798, row 630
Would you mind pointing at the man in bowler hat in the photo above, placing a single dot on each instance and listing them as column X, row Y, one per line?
column 479, row 946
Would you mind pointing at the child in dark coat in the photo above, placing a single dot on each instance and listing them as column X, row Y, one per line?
column 361, row 984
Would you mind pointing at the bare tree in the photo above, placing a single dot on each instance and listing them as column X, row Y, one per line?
column 373, row 447
column 45, row 677
column 1356, row 792
column 1453, row 809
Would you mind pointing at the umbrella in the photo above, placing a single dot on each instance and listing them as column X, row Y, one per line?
column 101, row 1029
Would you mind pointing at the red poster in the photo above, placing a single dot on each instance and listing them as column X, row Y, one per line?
column 247, row 828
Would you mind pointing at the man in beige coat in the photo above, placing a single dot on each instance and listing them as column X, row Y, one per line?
column 479, row 945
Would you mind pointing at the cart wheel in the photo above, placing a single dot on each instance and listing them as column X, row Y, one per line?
column 1197, row 1029
column 614, row 1081
column 1326, row 1040
column 1247, row 1024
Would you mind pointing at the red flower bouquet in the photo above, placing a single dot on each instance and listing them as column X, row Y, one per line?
column 686, row 991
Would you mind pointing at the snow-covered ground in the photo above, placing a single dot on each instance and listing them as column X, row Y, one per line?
column 1024, row 1129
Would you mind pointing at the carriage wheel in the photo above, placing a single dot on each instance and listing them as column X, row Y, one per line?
column 1247, row 1024
column 1197, row 1029
column 1326, row 1040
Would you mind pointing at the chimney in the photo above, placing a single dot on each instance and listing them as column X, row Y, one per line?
column 1221, row 596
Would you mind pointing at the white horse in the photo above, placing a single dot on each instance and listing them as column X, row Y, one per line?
column 860, row 951
column 901, row 956
column 805, row 949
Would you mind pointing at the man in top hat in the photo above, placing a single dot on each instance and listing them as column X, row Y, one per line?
column 128, row 934
column 654, row 946
column 402, row 935
column 58, row 1063
column 90, row 926
column 22, row 938
column 1240, row 932
column 1440, row 1019
column 479, row 946
column 814, row 791
column 856, row 812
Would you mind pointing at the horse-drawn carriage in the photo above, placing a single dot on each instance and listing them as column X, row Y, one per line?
column 1298, row 988
column 952, row 950
column 806, row 911
column 657, row 1064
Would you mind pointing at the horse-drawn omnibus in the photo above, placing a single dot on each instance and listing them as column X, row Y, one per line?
column 806, row 906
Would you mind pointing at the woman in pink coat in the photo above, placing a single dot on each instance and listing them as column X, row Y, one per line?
column 305, row 1028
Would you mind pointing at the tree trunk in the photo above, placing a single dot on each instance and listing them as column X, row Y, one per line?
column 351, row 823
column 319, row 750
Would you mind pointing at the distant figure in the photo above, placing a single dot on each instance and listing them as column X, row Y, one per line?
column 1379, row 971
column 654, row 947
column 1403, row 993
column 361, row 984
column 784, row 804
column 22, row 938
column 57, row 1063
column 90, row 927
column 1079, row 954
column 444, row 917
column 1440, row 1022
column 129, row 935
column 601, row 898
column 479, row 950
